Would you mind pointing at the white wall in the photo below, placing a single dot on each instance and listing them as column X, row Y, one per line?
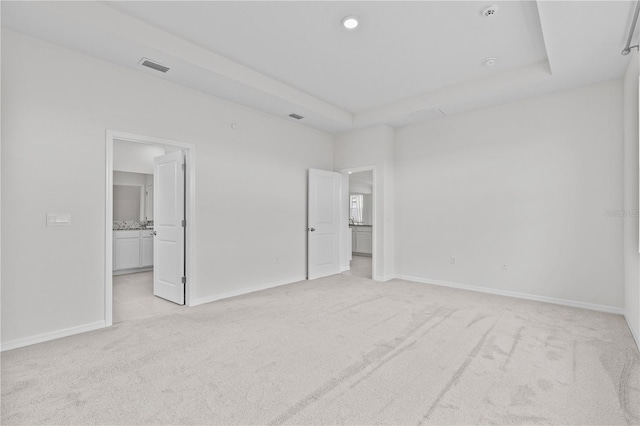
column 128, row 178
column 360, row 189
column 250, row 183
column 361, row 182
column 374, row 147
column 631, row 256
column 527, row 183
column 367, row 209
column 135, row 157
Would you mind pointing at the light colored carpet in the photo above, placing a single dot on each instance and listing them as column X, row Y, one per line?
column 338, row 350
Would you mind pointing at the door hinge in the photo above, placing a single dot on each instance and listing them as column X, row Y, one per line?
column 184, row 223
column 184, row 280
column 184, row 166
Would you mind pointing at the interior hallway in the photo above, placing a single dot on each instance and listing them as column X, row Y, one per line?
column 337, row 350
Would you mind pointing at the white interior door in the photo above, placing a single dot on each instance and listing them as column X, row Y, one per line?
column 168, row 224
column 323, row 224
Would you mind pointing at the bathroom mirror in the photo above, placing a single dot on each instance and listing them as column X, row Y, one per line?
column 127, row 202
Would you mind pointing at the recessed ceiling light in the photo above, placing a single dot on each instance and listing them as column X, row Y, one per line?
column 350, row 22
column 489, row 61
column 350, row 172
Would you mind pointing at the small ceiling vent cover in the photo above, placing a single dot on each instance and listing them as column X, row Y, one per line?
column 153, row 65
column 296, row 116
column 489, row 11
column 488, row 62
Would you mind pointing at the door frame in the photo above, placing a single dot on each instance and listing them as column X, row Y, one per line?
column 374, row 217
column 190, row 230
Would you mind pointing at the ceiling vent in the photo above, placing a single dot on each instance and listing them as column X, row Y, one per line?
column 296, row 116
column 153, row 65
column 489, row 11
column 489, row 62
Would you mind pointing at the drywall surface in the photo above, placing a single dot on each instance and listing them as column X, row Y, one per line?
column 135, row 157
column 374, row 147
column 361, row 182
column 250, row 183
column 517, row 197
column 630, row 211
column 129, row 178
column 367, row 209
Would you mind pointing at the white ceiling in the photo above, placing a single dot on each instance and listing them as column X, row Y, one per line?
column 406, row 62
column 400, row 48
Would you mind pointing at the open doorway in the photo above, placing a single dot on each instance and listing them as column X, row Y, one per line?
column 343, row 223
column 148, row 257
column 361, row 225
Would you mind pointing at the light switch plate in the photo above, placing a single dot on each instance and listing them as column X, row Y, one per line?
column 58, row 219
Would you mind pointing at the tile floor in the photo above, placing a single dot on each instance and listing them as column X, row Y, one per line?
column 360, row 267
column 133, row 297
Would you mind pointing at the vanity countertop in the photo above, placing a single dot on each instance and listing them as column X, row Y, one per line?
column 140, row 228
column 350, row 225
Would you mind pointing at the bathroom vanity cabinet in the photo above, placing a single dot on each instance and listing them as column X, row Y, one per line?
column 132, row 250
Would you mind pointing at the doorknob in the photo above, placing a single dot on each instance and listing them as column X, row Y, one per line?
column 312, row 229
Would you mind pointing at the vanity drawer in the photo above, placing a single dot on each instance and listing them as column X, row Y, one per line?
column 126, row 234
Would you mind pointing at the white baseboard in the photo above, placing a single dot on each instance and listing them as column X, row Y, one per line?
column 383, row 278
column 132, row 271
column 45, row 337
column 517, row 295
column 633, row 332
column 246, row 290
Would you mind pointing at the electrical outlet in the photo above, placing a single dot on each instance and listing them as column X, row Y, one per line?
column 452, row 260
column 503, row 266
